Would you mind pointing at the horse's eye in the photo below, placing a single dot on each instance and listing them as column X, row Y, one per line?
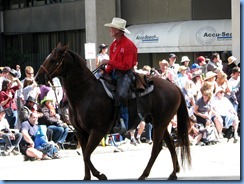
column 57, row 63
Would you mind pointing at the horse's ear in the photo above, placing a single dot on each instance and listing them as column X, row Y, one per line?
column 66, row 47
column 59, row 44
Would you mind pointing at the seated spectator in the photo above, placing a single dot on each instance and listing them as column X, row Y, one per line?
column 182, row 77
column 197, row 80
column 204, row 112
column 42, row 144
column 224, row 108
column 164, row 64
column 30, row 106
column 11, row 139
column 223, row 82
column 52, row 120
column 195, row 135
column 211, row 79
column 29, row 129
column 8, row 102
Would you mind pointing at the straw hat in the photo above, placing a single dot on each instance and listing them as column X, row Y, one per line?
column 209, row 75
column 182, row 67
column 118, row 23
column 196, row 74
column 231, row 59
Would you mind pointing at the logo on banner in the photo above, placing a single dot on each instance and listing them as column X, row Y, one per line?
column 207, row 35
column 148, row 38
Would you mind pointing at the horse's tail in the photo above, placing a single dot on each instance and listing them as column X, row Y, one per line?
column 182, row 130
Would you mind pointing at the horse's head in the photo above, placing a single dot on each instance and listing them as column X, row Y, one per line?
column 52, row 66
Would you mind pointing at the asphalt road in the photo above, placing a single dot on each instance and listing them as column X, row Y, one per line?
column 216, row 162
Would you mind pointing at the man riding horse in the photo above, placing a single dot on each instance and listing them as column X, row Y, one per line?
column 123, row 57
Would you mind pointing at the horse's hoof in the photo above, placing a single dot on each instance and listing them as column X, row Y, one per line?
column 142, row 178
column 86, row 178
column 102, row 177
column 172, row 177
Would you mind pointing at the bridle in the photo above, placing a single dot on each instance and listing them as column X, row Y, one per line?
column 59, row 64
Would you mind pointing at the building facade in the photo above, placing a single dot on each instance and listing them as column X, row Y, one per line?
column 30, row 29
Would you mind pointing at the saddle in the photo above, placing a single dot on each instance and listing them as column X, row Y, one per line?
column 140, row 86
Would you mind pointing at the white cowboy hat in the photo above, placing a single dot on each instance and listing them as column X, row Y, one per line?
column 118, row 23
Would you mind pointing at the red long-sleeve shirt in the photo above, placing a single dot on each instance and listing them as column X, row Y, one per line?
column 123, row 55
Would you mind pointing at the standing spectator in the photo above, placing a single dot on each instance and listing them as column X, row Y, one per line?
column 8, row 102
column 173, row 68
column 185, row 62
column 123, row 58
column 201, row 61
column 11, row 139
column 214, row 64
column 234, row 83
column 231, row 64
column 102, row 54
column 29, row 76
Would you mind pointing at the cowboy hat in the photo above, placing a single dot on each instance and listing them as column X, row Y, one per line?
column 209, row 75
column 31, row 99
column 118, row 23
column 184, row 59
column 231, row 59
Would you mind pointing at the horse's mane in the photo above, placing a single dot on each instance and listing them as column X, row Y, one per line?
column 79, row 61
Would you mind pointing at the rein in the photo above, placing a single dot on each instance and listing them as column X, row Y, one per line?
column 49, row 75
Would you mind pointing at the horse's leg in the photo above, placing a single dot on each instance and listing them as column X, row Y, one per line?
column 83, row 143
column 158, row 132
column 94, row 138
column 170, row 144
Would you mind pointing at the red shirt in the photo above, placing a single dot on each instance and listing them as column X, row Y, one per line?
column 123, row 55
column 11, row 102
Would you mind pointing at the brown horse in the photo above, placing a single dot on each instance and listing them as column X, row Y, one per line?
column 92, row 111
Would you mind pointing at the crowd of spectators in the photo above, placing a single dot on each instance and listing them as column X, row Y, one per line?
column 30, row 120
column 212, row 94
column 211, row 91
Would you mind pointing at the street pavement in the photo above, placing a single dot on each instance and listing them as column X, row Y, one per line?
column 216, row 162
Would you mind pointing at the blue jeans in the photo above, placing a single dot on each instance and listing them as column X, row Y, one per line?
column 12, row 119
column 12, row 143
column 148, row 130
column 59, row 133
column 123, row 81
